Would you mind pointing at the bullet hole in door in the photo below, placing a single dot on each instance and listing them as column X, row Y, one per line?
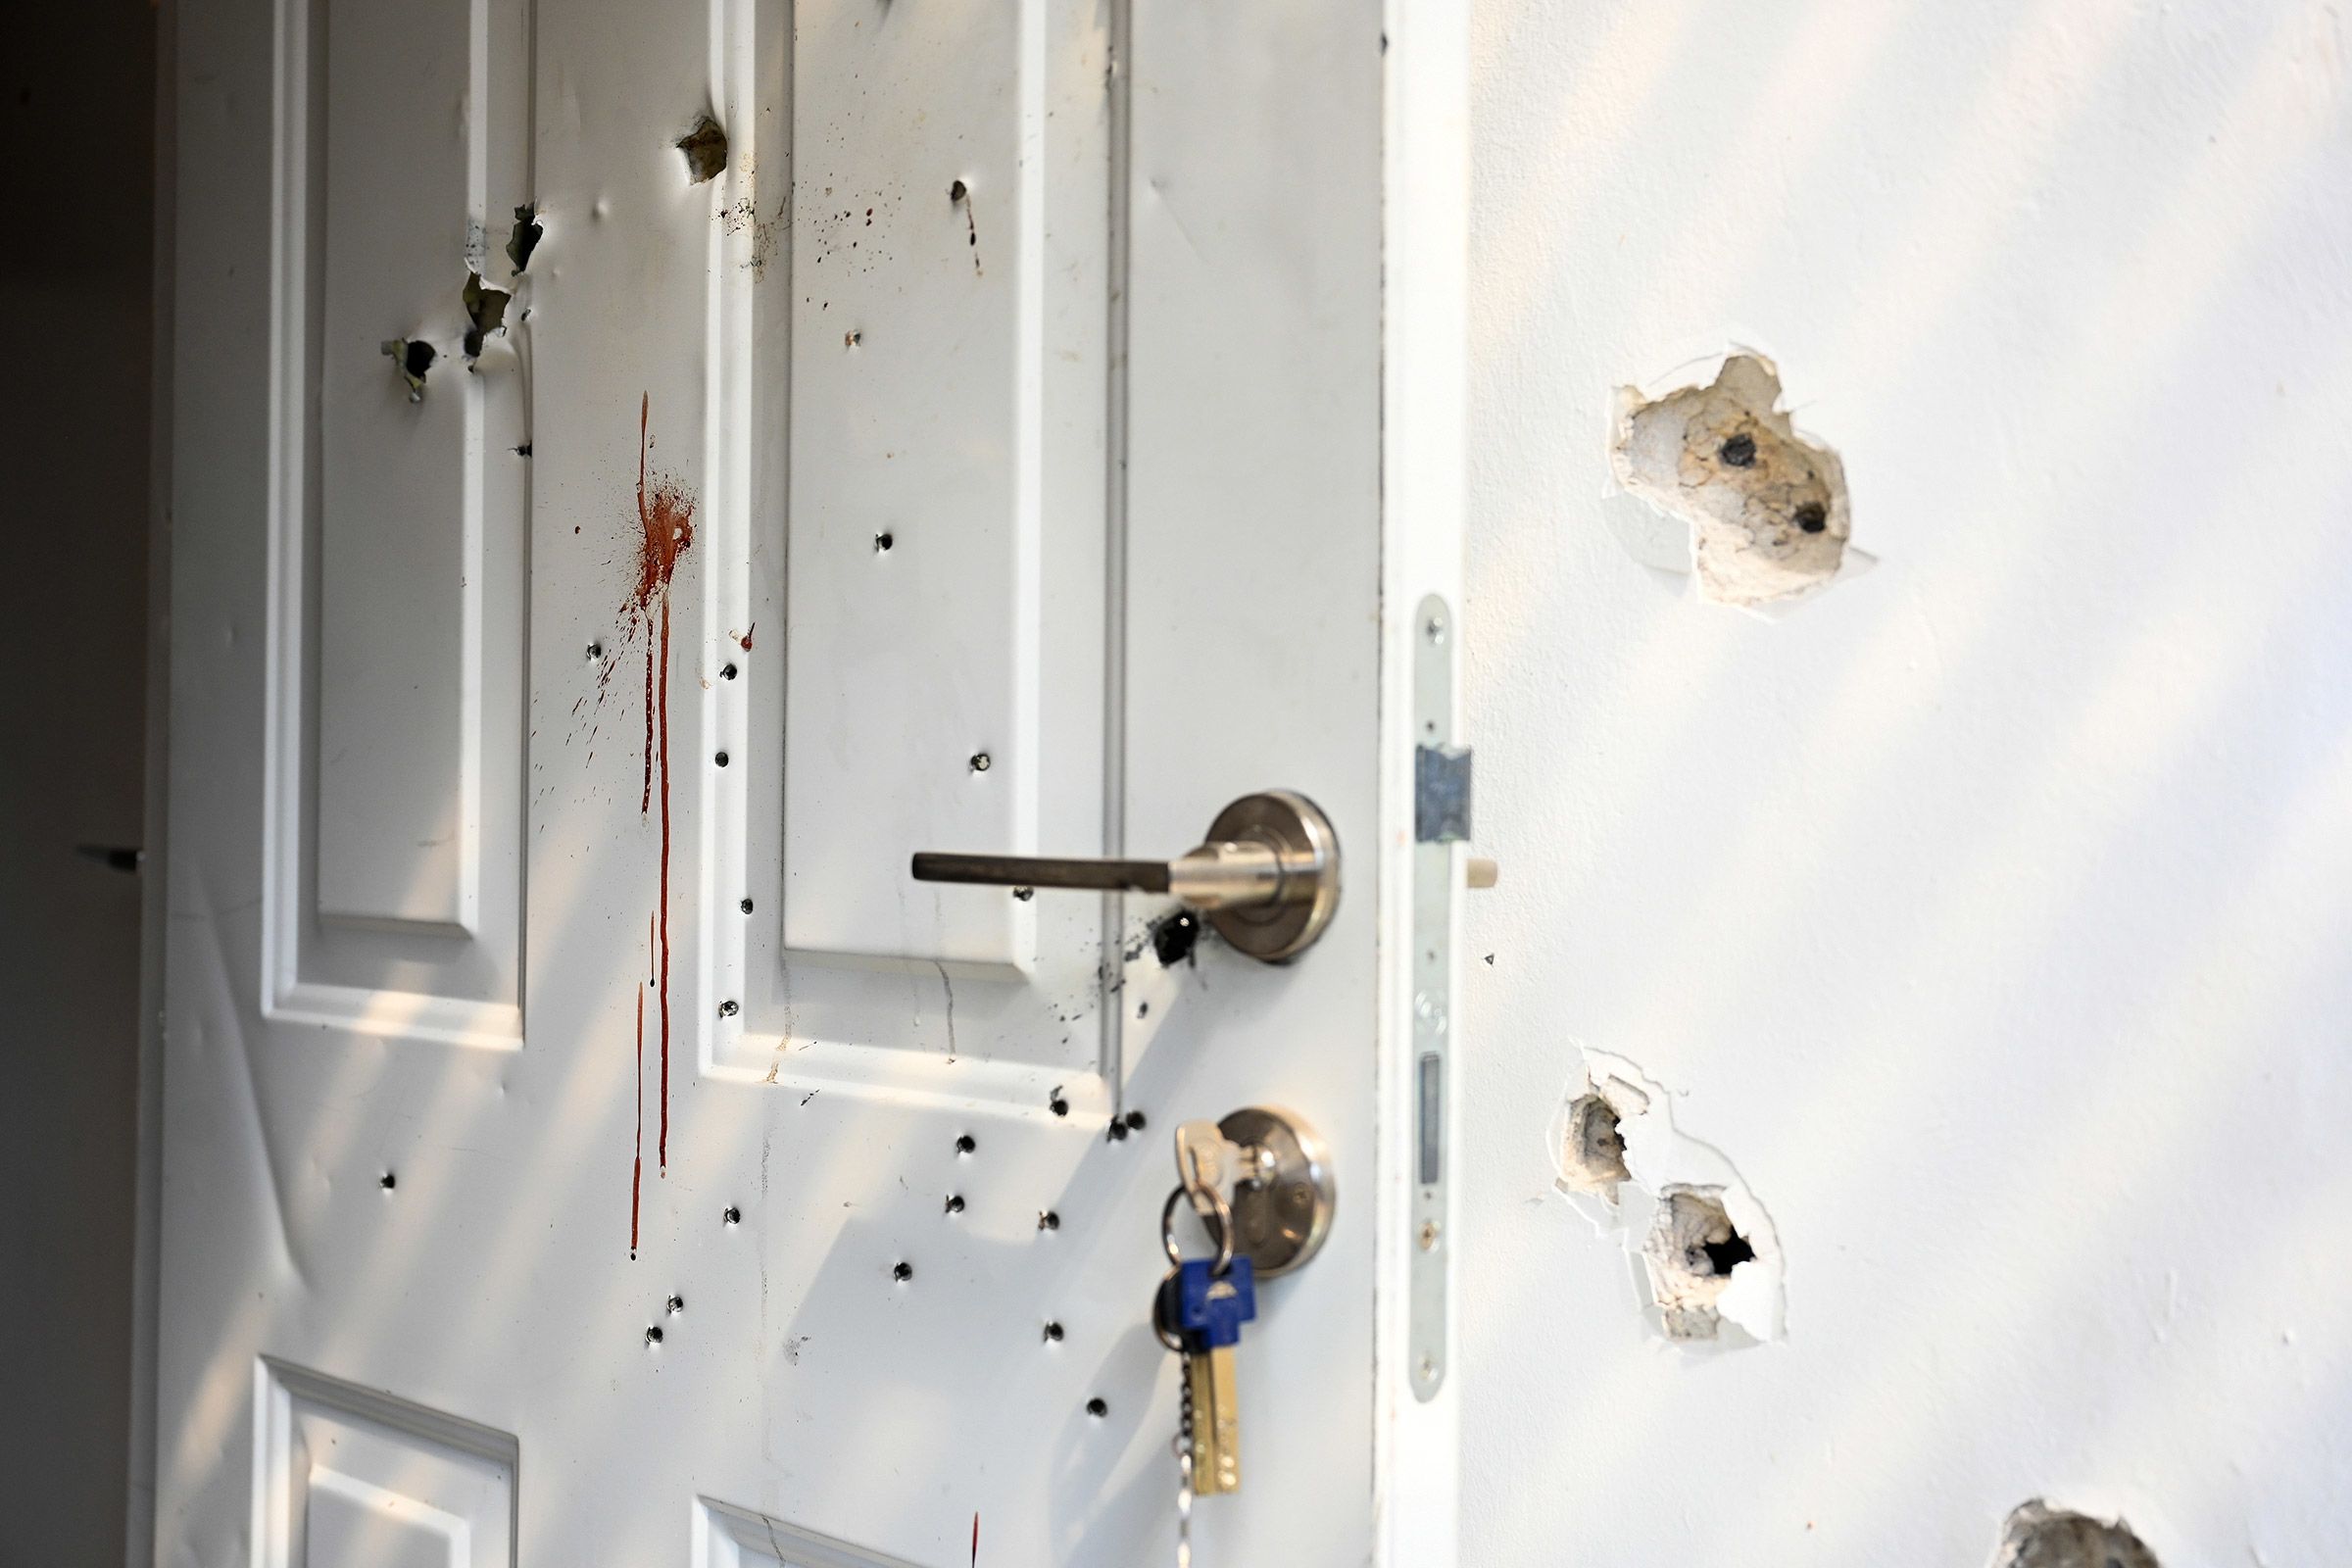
column 705, row 151
column 1174, row 936
column 411, row 358
column 485, row 313
column 883, row 541
column 1135, row 1121
column 2038, row 1536
column 1757, row 513
column 965, row 1142
column 387, row 1181
column 526, row 238
column 1053, row 1333
column 954, row 1204
column 960, row 194
column 652, row 1335
column 728, row 673
column 1059, row 1106
column 1098, row 1407
column 981, row 762
column 1048, row 1220
column 674, row 1306
column 734, row 1215
column 901, row 1272
column 745, row 906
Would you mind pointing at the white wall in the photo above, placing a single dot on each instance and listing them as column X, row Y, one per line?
column 1992, row 914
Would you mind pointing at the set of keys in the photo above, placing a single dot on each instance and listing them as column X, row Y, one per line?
column 1260, row 1184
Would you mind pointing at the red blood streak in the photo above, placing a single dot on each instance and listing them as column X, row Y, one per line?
column 664, row 532
column 746, row 638
column 976, row 1540
column 637, row 1162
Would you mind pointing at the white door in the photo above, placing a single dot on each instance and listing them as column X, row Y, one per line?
column 850, row 430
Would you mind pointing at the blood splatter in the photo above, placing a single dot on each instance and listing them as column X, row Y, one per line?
column 976, row 1540
column 746, row 638
column 637, row 1157
column 664, row 533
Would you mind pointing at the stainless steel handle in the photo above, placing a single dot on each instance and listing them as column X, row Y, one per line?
column 1267, row 876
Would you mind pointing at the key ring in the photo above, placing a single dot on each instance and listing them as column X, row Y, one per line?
column 1221, row 1221
column 1172, row 1342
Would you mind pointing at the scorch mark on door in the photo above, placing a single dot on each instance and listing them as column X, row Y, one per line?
column 664, row 533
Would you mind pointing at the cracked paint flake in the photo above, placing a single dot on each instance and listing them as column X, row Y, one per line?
column 2038, row 1536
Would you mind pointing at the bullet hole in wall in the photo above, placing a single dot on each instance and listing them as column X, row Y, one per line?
column 1709, row 1267
column 2038, row 1536
column 1762, row 511
column 1691, row 1251
column 1592, row 1159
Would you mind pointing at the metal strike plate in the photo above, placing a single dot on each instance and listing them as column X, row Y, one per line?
column 1442, row 819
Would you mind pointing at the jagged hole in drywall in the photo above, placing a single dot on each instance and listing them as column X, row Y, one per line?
column 1704, row 1258
column 2038, row 1536
column 1765, row 510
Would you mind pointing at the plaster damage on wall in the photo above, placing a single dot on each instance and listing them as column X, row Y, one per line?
column 2038, row 1536
column 1757, row 515
column 1703, row 1251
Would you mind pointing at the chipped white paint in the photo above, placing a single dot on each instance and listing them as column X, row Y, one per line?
column 1992, row 912
column 1642, row 1180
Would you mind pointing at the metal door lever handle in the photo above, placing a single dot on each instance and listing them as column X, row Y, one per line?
column 1267, row 876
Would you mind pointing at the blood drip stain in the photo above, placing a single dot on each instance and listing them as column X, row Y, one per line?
column 665, row 532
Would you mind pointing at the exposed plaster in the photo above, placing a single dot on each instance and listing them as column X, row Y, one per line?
column 1705, row 1260
column 1756, row 513
column 2038, row 1536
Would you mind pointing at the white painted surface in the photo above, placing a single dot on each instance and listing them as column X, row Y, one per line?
column 1146, row 519
column 1990, row 914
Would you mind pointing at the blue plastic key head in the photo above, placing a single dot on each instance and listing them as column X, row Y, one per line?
column 1210, row 1309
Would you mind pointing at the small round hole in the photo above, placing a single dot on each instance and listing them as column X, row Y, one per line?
column 901, row 1272
column 676, row 1305
column 1096, row 1407
column 720, row 758
column 729, row 1009
column 955, row 1203
column 965, row 1142
column 745, row 906
column 1059, row 1106
column 982, row 762
column 852, row 338
column 1049, row 1221
column 1135, row 1120
column 1117, row 1130
column 1812, row 517
column 727, row 672
column 653, row 1336
column 1740, row 452
column 1053, row 1333
column 1024, row 894
column 958, row 191
column 387, row 1181
column 734, row 1215
column 596, row 651
column 884, row 540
